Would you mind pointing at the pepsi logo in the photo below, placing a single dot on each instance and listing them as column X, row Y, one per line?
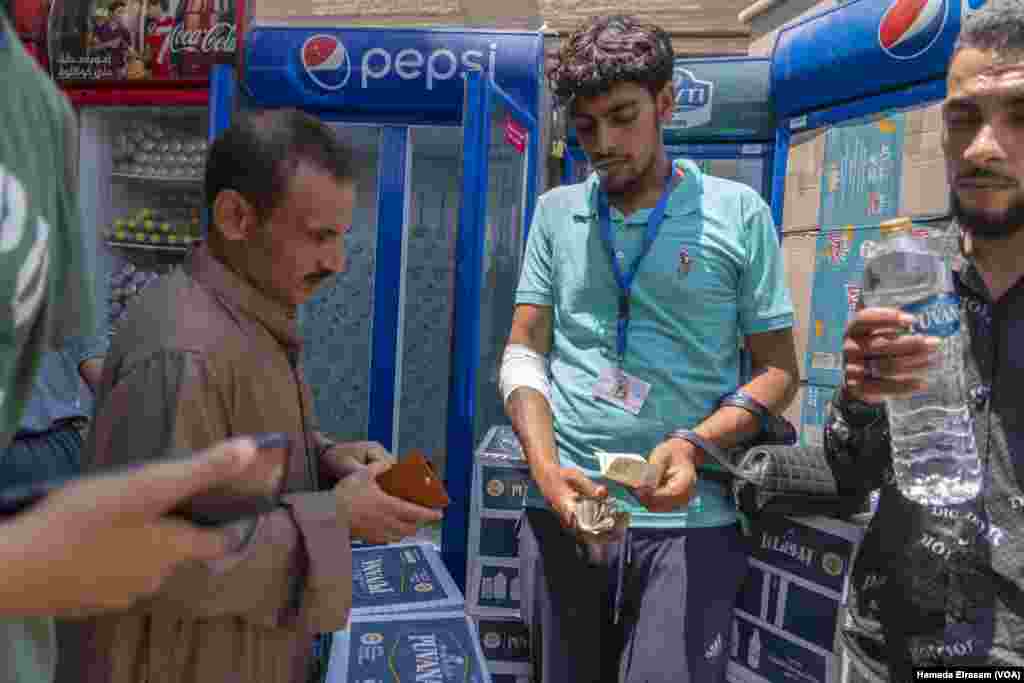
column 325, row 60
column 909, row 27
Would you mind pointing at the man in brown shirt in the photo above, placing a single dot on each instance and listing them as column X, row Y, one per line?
column 214, row 352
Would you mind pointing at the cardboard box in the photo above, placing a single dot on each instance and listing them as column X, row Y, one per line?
column 838, row 274
column 803, row 181
column 787, row 620
column 925, row 187
column 798, row 249
column 404, row 577
column 500, row 480
column 494, row 588
column 862, row 168
column 509, row 672
column 437, row 646
column 812, row 417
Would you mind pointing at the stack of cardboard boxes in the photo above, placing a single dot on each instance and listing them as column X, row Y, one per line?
column 843, row 183
column 493, row 584
column 408, row 621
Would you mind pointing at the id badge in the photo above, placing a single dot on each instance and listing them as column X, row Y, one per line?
column 622, row 389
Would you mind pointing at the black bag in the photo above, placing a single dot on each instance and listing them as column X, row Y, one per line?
column 773, row 475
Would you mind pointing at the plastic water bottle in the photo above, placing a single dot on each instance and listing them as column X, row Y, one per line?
column 934, row 455
column 754, row 650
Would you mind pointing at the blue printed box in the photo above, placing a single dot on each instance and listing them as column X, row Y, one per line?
column 764, row 654
column 494, row 588
column 501, row 486
column 500, row 443
column 788, row 614
column 504, row 640
column 813, row 414
column 838, row 276
column 509, row 672
column 425, row 646
column 500, row 480
column 400, row 578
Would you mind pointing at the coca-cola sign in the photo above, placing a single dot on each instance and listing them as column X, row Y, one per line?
column 218, row 39
column 149, row 40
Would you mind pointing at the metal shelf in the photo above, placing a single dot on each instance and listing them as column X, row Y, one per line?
column 169, row 248
column 158, row 179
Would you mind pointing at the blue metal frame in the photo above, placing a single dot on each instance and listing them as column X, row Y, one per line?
column 780, row 159
column 221, row 109
column 482, row 98
column 469, row 246
column 391, row 183
column 913, row 96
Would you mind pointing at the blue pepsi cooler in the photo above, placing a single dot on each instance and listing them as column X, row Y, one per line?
column 857, row 145
column 403, row 348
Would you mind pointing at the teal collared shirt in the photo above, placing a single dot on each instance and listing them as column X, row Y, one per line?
column 713, row 276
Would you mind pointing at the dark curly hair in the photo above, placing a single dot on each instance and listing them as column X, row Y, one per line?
column 608, row 50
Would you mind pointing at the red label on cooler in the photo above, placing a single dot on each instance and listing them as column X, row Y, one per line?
column 515, row 134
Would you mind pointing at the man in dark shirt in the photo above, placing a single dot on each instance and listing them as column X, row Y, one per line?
column 944, row 586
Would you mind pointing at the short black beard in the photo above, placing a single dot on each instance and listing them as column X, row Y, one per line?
column 988, row 225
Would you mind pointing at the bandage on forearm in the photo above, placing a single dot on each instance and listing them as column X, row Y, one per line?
column 521, row 366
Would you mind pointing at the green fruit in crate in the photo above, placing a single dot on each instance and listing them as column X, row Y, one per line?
column 140, row 237
column 172, row 239
column 165, row 227
column 148, row 225
column 120, row 235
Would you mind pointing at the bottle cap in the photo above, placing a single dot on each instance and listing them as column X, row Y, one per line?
column 895, row 225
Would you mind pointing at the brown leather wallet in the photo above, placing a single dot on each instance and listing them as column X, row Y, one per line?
column 413, row 479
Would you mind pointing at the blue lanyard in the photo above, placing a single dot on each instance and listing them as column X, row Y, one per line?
column 625, row 280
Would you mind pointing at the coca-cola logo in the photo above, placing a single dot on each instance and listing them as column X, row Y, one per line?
column 219, row 38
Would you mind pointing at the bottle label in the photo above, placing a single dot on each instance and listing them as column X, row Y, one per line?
column 937, row 316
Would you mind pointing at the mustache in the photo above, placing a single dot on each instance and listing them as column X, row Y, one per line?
column 984, row 174
column 605, row 162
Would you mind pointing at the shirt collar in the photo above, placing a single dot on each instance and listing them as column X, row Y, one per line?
column 685, row 197
column 239, row 295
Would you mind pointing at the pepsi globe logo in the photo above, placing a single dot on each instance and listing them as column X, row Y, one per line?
column 909, row 27
column 325, row 60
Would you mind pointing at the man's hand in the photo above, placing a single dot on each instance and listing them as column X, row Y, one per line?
column 881, row 360
column 342, row 459
column 373, row 515
column 676, row 461
column 103, row 542
column 562, row 487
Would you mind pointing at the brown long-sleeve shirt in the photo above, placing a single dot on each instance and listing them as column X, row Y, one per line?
column 202, row 357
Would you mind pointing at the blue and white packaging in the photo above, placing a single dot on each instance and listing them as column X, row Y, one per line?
column 813, row 414
column 787, row 619
column 838, row 275
column 509, row 672
column 505, row 644
column 494, row 588
column 403, row 577
column 426, row 646
column 500, row 480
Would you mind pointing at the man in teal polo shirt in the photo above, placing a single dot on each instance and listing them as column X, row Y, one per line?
column 640, row 286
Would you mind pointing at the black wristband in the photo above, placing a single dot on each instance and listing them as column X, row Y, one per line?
column 741, row 399
column 716, row 454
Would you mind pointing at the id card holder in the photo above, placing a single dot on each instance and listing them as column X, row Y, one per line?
column 622, row 389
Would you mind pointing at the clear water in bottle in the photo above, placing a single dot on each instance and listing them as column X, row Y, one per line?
column 934, row 455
